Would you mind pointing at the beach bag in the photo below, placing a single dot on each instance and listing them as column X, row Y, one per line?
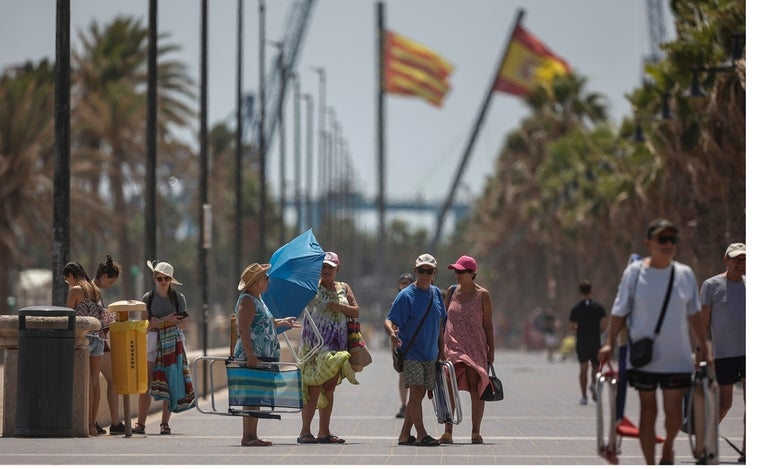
column 494, row 390
column 356, row 346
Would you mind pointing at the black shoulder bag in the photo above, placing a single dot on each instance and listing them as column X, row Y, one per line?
column 398, row 357
column 641, row 351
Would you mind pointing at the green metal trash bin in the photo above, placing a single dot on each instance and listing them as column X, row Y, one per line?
column 45, row 381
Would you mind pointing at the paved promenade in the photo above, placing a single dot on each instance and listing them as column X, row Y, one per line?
column 539, row 422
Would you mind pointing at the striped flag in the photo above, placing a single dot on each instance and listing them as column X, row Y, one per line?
column 413, row 69
column 528, row 64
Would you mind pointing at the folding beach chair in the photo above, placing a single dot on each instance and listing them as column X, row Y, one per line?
column 445, row 398
column 609, row 446
column 275, row 387
column 702, row 416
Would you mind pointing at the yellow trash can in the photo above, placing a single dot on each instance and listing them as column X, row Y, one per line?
column 128, row 348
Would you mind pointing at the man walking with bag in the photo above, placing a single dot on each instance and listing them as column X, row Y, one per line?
column 658, row 299
column 414, row 325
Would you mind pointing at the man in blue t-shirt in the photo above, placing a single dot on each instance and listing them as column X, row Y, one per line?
column 414, row 324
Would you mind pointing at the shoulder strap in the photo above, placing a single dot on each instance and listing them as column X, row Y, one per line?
column 150, row 302
column 415, row 333
column 666, row 301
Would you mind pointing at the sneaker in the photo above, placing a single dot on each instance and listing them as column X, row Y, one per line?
column 100, row 430
column 583, row 401
column 593, row 391
column 400, row 413
column 118, row 429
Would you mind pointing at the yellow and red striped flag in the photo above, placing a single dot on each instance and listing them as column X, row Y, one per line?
column 528, row 64
column 413, row 69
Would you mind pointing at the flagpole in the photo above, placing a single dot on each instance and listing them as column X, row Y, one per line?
column 472, row 138
column 380, row 135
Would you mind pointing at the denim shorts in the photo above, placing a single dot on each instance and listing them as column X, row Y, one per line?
column 96, row 345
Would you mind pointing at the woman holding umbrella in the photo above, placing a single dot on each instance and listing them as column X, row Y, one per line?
column 261, row 342
column 322, row 372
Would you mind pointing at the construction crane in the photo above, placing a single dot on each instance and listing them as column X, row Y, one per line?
column 656, row 29
column 276, row 89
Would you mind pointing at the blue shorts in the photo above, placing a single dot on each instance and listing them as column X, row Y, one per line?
column 729, row 370
column 96, row 345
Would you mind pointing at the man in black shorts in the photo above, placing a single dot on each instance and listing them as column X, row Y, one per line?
column 587, row 320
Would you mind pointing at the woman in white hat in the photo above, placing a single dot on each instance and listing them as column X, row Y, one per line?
column 166, row 311
column 261, row 342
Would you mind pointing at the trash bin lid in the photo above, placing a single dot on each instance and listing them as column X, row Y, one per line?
column 127, row 305
column 46, row 310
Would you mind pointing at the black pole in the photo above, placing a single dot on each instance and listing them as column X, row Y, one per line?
column 62, row 175
column 151, row 245
column 262, row 127
column 321, row 195
column 380, row 201
column 298, row 155
column 203, row 218
column 472, row 137
column 308, row 158
column 282, row 143
column 237, row 266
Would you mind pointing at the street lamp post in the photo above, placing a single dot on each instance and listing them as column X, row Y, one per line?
column 321, row 140
column 308, row 158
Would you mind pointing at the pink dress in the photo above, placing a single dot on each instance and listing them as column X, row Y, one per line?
column 465, row 341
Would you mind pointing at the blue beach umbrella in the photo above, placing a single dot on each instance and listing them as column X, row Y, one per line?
column 294, row 275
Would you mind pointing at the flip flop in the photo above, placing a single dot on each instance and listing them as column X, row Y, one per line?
column 330, row 439
column 409, row 442
column 256, row 442
column 307, row 439
column 427, row 441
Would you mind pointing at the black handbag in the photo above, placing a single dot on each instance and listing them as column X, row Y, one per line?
column 397, row 360
column 641, row 351
column 494, row 390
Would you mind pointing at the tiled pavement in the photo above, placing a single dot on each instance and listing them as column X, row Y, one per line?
column 539, row 422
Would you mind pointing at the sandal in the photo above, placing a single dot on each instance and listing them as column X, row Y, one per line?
column 307, row 439
column 446, row 438
column 427, row 441
column 139, row 428
column 330, row 439
column 256, row 442
column 476, row 439
column 409, row 442
column 165, row 429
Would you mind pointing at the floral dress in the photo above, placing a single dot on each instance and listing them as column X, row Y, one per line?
column 333, row 358
column 262, row 331
column 465, row 340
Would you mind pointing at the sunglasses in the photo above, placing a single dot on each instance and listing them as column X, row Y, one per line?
column 422, row 270
column 665, row 239
column 464, row 271
column 162, row 279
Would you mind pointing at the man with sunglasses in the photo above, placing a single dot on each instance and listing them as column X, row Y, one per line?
column 414, row 324
column 723, row 298
column 653, row 288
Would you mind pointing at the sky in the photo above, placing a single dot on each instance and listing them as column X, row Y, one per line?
column 603, row 40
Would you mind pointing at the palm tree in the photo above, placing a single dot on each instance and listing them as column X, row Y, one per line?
column 110, row 76
column 27, row 157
